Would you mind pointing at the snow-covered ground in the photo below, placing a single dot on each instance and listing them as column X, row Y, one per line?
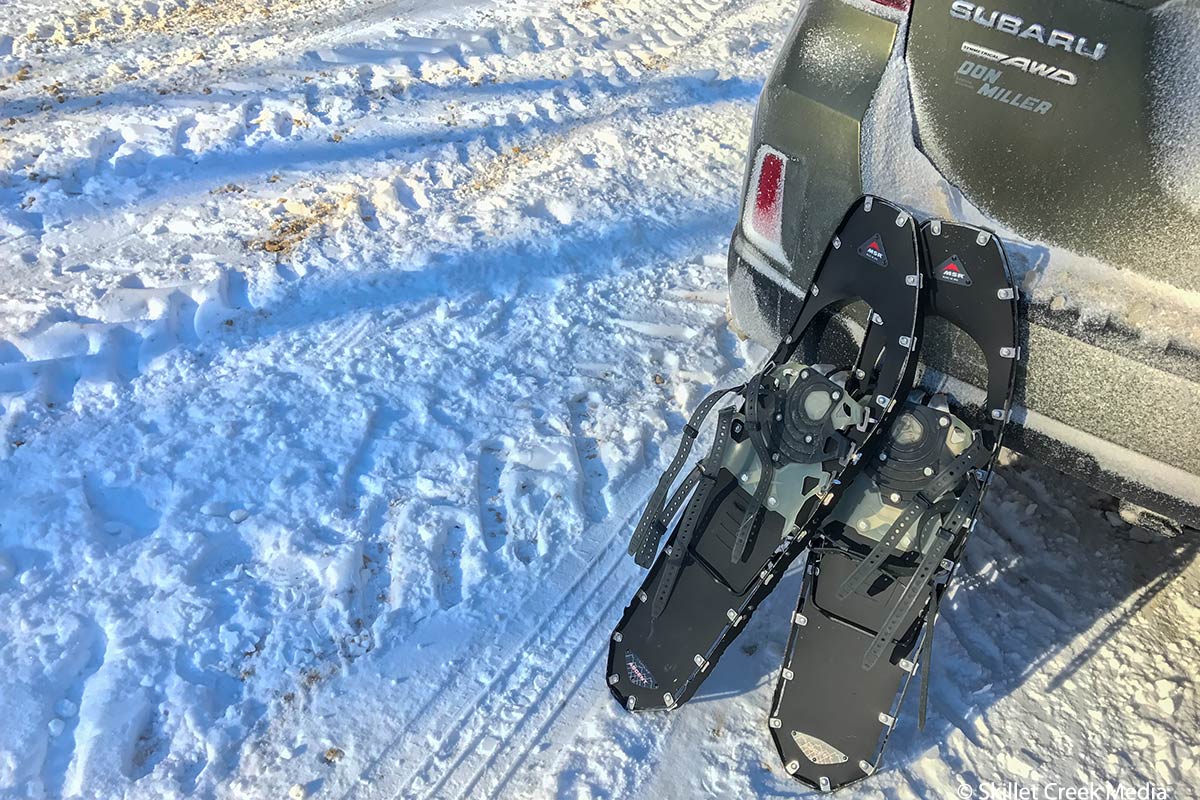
column 339, row 345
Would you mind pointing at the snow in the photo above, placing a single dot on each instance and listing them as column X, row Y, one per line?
column 339, row 349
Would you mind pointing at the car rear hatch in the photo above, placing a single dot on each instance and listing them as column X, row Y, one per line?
column 1073, row 123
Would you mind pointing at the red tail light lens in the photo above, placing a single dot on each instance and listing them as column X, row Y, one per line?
column 768, row 198
column 763, row 220
column 899, row 5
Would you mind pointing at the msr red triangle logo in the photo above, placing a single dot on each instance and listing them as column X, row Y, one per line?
column 872, row 250
column 952, row 271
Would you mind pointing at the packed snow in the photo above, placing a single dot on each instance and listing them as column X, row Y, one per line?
column 339, row 347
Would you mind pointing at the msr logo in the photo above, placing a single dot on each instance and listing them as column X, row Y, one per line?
column 872, row 250
column 952, row 271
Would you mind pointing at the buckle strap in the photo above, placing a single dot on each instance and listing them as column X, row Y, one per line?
column 867, row 569
column 766, row 476
column 908, row 598
column 649, row 544
column 707, row 478
column 652, row 525
column 925, row 499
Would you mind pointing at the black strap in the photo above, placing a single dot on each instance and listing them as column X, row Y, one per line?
column 662, row 522
column 945, row 481
column 708, row 472
column 867, row 569
column 653, row 524
column 766, row 477
column 925, row 659
column 908, row 598
column 967, row 504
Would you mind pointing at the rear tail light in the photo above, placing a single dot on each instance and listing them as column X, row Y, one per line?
column 763, row 218
column 899, row 5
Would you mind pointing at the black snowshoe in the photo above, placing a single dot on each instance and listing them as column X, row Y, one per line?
column 781, row 453
column 882, row 558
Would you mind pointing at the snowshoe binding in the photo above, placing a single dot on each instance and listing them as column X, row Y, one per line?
column 779, row 454
column 883, row 557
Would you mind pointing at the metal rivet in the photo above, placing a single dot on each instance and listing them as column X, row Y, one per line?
column 907, row 666
column 617, row 636
column 902, row 220
column 882, row 401
column 928, row 472
column 983, row 238
column 631, row 702
column 878, row 320
column 800, row 620
column 1006, row 294
column 731, row 615
column 944, row 421
column 771, row 501
column 613, row 680
column 894, row 497
column 699, row 660
column 862, row 525
column 1008, row 352
column 668, row 699
column 776, row 722
column 935, row 227
column 887, row 719
column 868, row 201
column 883, row 456
column 642, row 596
column 865, row 767
column 837, row 243
column 997, row 413
column 793, row 767
column 825, row 785
column 836, row 395
column 745, row 478
column 912, row 280
column 808, row 438
column 787, row 674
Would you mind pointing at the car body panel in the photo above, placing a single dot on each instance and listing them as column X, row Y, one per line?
column 1105, row 396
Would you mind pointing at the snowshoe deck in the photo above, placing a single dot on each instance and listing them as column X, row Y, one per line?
column 776, row 459
column 885, row 553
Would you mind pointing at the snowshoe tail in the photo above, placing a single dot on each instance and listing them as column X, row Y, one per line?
column 884, row 555
column 776, row 459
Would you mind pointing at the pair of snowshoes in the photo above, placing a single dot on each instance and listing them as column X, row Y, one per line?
column 877, row 482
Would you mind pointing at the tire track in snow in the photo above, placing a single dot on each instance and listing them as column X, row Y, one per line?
column 585, row 93
column 456, row 701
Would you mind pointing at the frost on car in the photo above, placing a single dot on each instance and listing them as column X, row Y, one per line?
column 1068, row 128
